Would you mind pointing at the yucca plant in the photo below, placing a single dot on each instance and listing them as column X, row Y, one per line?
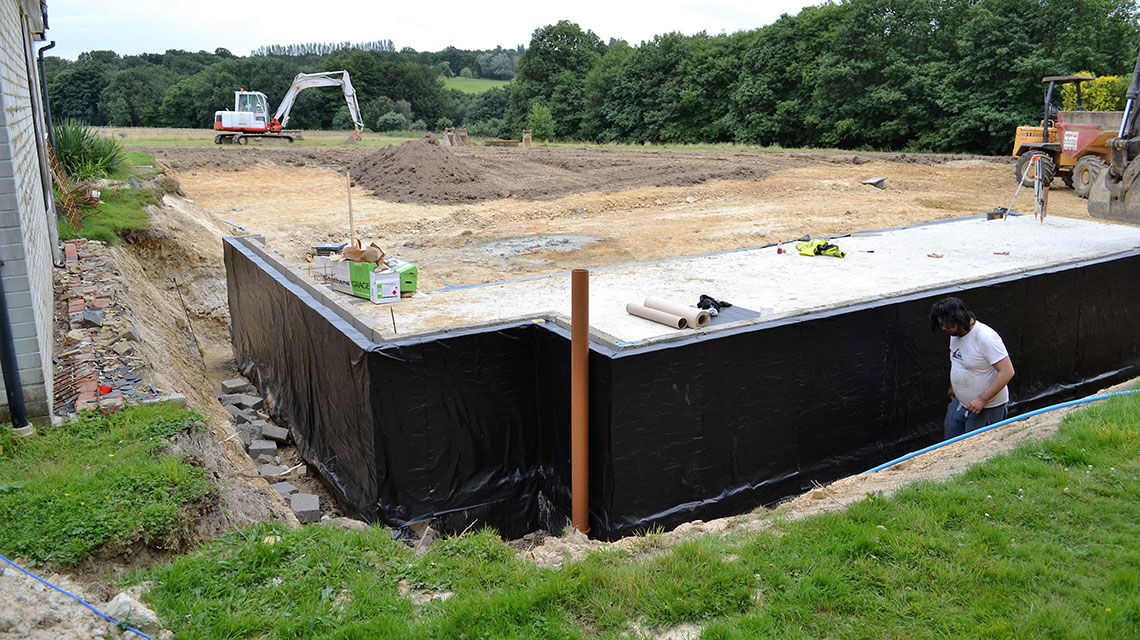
column 83, row 154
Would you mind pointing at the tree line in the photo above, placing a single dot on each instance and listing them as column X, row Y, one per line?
column 933, row 75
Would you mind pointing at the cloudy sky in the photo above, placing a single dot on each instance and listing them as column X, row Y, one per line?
column 127, row 26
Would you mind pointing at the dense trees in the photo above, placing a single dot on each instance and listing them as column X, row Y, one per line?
column 938, row 75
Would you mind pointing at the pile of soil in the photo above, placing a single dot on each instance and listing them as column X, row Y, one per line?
column 421, row 171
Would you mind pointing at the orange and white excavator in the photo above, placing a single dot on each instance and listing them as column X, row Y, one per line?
column 250, row 117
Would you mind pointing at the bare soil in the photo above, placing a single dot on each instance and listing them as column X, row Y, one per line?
column 564, row 208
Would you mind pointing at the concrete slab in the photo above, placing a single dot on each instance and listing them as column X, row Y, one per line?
column 878, row 265
column 271, row 470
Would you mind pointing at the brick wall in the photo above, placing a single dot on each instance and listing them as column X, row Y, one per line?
column 26, row 244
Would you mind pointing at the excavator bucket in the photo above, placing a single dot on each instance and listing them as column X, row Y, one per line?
column 1113, row 199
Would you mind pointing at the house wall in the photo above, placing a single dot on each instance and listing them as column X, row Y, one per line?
column 26, row 217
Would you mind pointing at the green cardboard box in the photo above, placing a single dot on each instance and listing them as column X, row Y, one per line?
column 360, row 279
column 409, row 275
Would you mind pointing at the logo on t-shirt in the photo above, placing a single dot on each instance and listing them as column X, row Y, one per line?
column 957, row 354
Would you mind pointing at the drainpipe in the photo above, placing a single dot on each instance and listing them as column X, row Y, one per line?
column 12, row 384
column 579, row 399
column 43, row 89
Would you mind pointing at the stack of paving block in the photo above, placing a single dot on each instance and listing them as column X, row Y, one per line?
column 261, row 439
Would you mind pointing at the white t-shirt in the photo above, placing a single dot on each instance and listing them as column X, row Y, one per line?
column 972, row 360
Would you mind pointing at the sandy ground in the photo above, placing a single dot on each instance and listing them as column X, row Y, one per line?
column 295, row 207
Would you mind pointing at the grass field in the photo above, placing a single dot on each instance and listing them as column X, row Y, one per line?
column 1043, row 542
column 473, row 85
column 97, row 482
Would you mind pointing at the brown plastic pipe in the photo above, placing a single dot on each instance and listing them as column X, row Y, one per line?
column 579, row 399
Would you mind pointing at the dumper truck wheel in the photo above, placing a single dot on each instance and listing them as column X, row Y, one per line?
column 1048, row 168
column 1085, row 174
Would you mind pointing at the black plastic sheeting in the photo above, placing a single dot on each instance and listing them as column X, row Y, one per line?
column 472, row 428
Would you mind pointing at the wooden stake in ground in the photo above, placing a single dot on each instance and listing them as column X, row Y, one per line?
column 351, row 229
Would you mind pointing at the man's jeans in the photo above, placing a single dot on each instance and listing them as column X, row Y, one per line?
column 959, row 421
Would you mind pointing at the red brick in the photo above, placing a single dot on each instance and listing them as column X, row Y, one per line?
column 70, row 251
column 99, row 303
column 79, row 241
column 76, row 306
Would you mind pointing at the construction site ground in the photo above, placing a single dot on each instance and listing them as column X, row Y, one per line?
column 477, row 215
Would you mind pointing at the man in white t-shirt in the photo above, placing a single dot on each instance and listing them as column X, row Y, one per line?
column 980, row 369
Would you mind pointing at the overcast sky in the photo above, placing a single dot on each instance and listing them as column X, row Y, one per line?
column 127, row 27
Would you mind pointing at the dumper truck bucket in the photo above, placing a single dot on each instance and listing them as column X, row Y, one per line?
column 1118, row 200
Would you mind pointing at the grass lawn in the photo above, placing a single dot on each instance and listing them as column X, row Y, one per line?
column 1043, row 542
column 97, row 482
column 473, row 85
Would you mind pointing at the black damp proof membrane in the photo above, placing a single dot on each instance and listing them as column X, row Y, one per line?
column 472, row 428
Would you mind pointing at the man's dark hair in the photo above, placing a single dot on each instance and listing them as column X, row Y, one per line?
column 949, row 311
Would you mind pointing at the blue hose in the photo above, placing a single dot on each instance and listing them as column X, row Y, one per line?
column 77, row 598
column 995, row 425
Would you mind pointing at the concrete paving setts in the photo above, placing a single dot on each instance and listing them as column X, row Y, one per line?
column 247, row 401
column 235, row 385
column 878, row 265
column 306, row 506
column 275, row 433
column 271, row 470
column 284, row 488
column 259, row 447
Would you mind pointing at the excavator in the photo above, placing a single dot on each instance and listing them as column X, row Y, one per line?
column 251, row 110
column 1115, row 194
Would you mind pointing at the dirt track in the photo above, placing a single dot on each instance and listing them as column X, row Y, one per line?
column 554, row 209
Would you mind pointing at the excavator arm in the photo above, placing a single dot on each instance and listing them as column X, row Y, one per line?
column 1115, row 195
column 326, row 79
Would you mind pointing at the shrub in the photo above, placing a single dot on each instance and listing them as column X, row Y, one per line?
column 83, row 154
column 1106, row 93
column 418, row 125
column 465, row 72
column 540, row 122
column 391, row 121
column 442, row 123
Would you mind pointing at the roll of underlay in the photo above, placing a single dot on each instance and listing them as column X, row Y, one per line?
column 667, row 319
column 696, row 318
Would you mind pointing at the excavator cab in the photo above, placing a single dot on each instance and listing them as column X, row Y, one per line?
column 250, row 114
column 1115, row 194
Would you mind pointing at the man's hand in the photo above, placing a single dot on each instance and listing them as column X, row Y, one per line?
column 976, row 405
column 951, row 392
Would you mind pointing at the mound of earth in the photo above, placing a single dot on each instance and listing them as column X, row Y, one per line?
column 421, row 171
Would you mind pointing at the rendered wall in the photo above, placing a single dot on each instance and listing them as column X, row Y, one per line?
column 473, row 426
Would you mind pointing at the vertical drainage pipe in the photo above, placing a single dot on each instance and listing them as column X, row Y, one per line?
column 44, row 91
column 11, row 372
column 579, row 399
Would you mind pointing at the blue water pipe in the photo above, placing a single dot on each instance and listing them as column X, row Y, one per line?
column 77, row 599
column 995, row 425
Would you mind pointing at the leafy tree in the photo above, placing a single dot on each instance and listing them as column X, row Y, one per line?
column 444, row 69
column 392, row 121
column 133, row 97
column 499, row 65
column 488, row 105
column 376, row 107
column 465, row 72
column 75, row 92
column 540, row 122
column 418, row 125
column 554, row 49
column 596, row 88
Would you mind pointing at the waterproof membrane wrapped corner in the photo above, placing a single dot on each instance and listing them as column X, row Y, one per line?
column 472, row 428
